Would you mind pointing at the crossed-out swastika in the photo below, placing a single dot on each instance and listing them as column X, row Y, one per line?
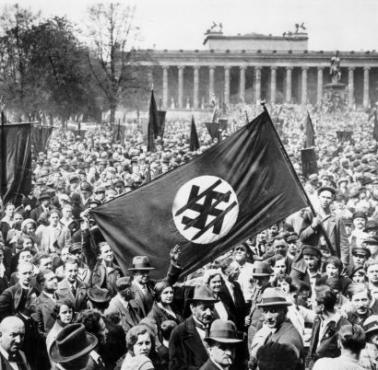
column 205, row 209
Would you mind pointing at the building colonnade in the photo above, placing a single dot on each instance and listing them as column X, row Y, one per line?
column 287, row 76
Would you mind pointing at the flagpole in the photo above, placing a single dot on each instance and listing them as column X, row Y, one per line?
column 325, row 234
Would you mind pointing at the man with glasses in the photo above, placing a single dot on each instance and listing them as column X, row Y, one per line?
column 276, row 328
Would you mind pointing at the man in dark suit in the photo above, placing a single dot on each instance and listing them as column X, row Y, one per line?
column 34, row 342
column 44, row 206
column 277, row 329
column 46, row 301
column 231, row 294
column 187, row 350
column 221, row 341
column 12, row 331
column 13, row 297
column 324, row 338
column 71, row 287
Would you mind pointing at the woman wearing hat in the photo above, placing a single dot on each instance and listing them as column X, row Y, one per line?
column 162, row 309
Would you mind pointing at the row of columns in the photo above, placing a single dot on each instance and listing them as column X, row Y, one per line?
column 257, row 86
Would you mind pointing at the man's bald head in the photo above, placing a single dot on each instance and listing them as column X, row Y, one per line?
column 12, row 332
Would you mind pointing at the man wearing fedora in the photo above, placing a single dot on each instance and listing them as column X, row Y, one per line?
column 12, row 331
column 72, row 348
column 261, row 273
column 44, row 206
column 222, row 340
column 143, row 285
column 276, row 327
column 187, row 346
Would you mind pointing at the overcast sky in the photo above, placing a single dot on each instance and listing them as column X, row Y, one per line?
column 179, row 24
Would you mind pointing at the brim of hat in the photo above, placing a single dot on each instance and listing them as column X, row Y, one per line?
column 223, row 340
column 371, row 330
column 96, row 300
column 262, row 274
column 56, row 357
column 274, row 304
column 141, row 268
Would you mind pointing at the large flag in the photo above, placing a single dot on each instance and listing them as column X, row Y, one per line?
column 40, row 136
column 309, row 132
column 232, row 191
column 15, row 161
column 194, row 142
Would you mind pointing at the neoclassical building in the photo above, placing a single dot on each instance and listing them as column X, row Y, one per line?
column 247, row 68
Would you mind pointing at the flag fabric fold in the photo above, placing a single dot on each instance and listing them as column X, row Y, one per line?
column 194, row 142
column 40, row 136
column 229, row 193
column 15, row 161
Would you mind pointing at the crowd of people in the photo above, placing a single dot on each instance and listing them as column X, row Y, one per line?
column 302, row 294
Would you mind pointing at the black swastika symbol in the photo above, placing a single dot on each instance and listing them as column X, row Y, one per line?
column 208, row 208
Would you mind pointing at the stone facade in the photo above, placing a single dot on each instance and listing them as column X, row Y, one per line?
column 185, row 79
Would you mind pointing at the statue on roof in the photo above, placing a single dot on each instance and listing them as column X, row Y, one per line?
column 215, row 28
column 335, row 69
column 299, row 27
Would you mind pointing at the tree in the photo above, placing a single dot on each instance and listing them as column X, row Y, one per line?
column 44, row 68
column 58, row 65
column 14, row 54
column 112, row 35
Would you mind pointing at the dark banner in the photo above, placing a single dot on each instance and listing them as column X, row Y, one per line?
column 194, row 142
column 223, row 124
column 344, row 135
column 15, row 161
column 213, row 128
column 40, row 136
column 161, row 122
column 309, row 133
column 230, row 192
column 309, row 163
column 153, row 124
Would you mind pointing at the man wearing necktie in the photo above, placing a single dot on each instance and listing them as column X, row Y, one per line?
column 12, row 331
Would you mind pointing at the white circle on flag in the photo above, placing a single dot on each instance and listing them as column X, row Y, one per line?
column 205, row 209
